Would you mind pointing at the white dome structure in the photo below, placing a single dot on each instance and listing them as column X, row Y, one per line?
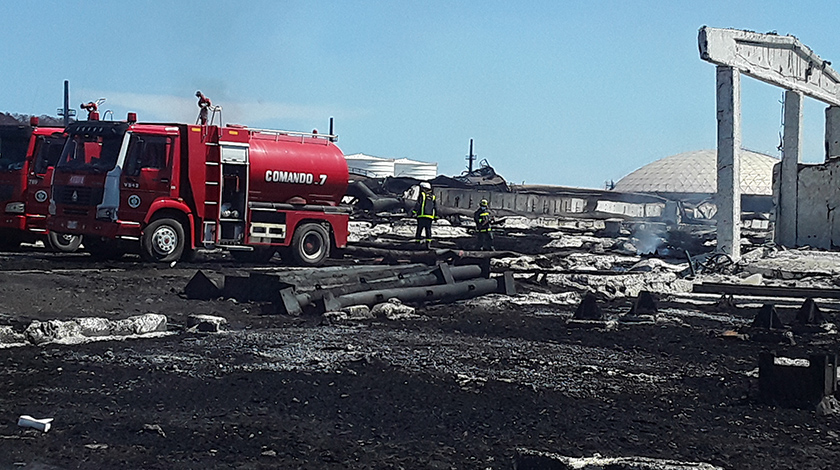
column 696, row 173
column 368, row 165
column 415, row 169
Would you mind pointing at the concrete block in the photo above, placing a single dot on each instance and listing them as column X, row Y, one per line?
column 528, row 459
column 80, row 329
column 290, row 303
column 353, row 313
column 795, row 385
column 645, row 304
column 140, row 324
column 589, row 309
column 206, row 323
column 357, row 312
column 767, row 318
column 393, row 309
column 9, row 336
column 810, row 314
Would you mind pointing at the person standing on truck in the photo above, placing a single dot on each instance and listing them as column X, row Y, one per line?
column 425, row 210
column 203, row 106
column 483, row 219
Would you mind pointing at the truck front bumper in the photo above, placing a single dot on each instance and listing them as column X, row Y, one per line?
column 118, row 229
column 13, row 221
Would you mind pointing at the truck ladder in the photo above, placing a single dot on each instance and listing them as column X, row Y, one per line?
column 212, row 195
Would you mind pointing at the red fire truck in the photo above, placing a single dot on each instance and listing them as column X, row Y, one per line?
column 27, row 156
column 171, row 188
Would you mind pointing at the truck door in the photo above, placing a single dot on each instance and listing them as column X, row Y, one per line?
column 46, row 153
column 147, row 174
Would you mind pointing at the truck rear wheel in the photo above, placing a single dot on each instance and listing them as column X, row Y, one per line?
column 310, row 245
column 64, row 242
column 163, row 241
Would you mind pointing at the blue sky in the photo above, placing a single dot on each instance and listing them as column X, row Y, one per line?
column 553, row 92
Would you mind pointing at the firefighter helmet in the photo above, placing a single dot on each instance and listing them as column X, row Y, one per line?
column 425, row 186
column 483, row 203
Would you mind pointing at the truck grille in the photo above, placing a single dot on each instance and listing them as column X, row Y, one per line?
column 77, row 195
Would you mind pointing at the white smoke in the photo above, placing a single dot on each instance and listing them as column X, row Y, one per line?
column 169, row 108
column 647, row 240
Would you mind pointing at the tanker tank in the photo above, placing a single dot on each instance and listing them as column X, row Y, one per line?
column 296, row 170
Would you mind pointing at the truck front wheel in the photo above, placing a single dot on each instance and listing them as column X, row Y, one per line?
column 64, row 242
column 163, row 241
column 310, row 245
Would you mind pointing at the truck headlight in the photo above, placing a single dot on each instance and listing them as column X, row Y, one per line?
column 16, row 208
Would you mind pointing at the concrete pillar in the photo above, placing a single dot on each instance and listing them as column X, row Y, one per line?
column 728, row 199
column 832, row 132
column 786, row 213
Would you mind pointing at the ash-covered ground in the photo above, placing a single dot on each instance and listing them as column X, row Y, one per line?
column 464, row 385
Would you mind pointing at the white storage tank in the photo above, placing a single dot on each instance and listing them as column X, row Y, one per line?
column 368, row 165
column 415, row 169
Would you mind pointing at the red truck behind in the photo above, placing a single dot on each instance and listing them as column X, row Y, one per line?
column 27, row 156
column 168, row 189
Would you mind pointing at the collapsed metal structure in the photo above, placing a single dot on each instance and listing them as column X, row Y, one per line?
column 331, row 289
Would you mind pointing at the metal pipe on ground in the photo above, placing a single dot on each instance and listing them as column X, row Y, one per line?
column 266, row 286
column 443, row 274
column 444, row 293
column 294, row 303
column 347, row 274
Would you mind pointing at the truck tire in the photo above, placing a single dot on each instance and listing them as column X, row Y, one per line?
column 162, row 241
column 261, row 254
column 310, row 245
column 64, row 242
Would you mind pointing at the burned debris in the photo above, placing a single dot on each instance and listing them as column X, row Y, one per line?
column 808, row 384
column 325, row 290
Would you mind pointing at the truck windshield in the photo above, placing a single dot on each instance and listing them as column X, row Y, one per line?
column 13, row 147
column 47, row 152
column 90, row 153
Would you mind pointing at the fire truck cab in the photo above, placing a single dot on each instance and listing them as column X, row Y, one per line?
column 167, row 189
column 27, row 156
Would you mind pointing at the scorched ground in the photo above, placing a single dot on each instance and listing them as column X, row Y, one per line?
column 460, row 386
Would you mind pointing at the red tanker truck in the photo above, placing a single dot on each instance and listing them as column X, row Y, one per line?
column 27, row 156
column 171, row 188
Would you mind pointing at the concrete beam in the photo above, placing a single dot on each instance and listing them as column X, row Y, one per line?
column 779, row 60
column 728, row 199
column 786, row 213
column 832, row 132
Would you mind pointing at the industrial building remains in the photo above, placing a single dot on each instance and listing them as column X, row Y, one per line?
column 662, row 323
